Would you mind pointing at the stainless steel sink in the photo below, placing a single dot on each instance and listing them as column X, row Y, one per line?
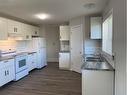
column 96, row 63
column 98, row 66
column 93, row 59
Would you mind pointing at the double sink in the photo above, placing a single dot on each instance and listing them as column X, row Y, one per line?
column 93, row 62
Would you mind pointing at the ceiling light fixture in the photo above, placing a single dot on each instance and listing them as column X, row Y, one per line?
column 42, row 16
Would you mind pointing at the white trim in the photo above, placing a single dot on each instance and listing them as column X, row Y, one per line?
column 107, row 14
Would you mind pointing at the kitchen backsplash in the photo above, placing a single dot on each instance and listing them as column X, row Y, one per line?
column 64, row 46
column 12, row 45
column 92, row 50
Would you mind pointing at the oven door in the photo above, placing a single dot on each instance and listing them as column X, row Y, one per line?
column 21, row 63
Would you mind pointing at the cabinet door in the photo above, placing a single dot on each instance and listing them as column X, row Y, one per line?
column 2, row 76
column 3, row 29
column 96, row 27
column 10, row 71
column 35, row 31
column 64, row 33
column 14, row 27
column 32, row 61
column 64, row 60
column 7, row 71
column 27, row 34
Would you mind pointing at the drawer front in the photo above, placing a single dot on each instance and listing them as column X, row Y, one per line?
column 6, row 63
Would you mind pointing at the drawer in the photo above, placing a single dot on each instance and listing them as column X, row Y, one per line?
column 6, row 63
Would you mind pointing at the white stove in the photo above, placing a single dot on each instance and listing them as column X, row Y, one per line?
column 21, row 66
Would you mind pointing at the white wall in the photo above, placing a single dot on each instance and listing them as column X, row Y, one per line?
column 119, row 43
column 51, row 33
column 42, row 31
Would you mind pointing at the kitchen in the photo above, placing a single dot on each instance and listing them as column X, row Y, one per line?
column 48, row 38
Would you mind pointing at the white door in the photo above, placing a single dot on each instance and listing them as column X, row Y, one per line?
column 76, row 43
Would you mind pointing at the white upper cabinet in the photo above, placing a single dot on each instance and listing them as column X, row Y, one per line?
column 3, row 29
column 14, row 27
column 35, row 31
column 27, row 32
column 21, row 31
column 96, row 27
column 64, row 33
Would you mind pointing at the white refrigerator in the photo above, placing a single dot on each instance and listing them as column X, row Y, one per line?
column 39, row 45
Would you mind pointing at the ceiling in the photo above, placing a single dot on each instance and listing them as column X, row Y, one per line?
column 59, row 10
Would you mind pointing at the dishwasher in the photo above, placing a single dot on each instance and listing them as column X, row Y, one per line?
column 97, row 78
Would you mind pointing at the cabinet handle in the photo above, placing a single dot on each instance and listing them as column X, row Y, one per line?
column 27, row 36
column 5, row 73
column 14, row 29
column 35, row 32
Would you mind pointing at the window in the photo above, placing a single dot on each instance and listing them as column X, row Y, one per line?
column 107, row 35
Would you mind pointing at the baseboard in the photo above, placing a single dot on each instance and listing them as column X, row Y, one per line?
column 53, row 60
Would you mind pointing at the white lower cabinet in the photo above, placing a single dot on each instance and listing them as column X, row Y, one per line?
column 7, row 71
column 96, row 82
column 64, row 60
column 32, row 64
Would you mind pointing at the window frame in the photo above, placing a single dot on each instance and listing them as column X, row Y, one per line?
column 106, row 17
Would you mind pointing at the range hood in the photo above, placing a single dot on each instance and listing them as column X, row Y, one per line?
column 15, row 36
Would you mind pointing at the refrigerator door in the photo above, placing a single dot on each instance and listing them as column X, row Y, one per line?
column 44, row 61
column 43, row 42
column 41, row 58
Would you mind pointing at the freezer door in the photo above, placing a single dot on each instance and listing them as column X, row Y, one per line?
column 39, row 43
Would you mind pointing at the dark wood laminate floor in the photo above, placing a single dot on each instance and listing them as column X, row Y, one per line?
column 47, row 81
